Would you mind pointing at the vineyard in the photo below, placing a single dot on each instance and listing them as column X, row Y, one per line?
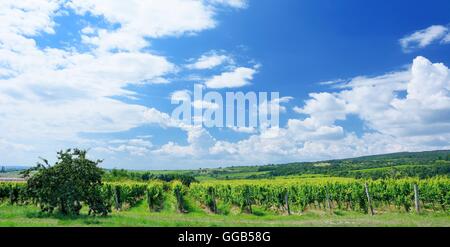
column 280, row 196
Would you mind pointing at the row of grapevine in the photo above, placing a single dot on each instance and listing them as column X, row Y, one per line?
column 323, row 193
column 13, row 192
column 276, row 195
column 124, row 194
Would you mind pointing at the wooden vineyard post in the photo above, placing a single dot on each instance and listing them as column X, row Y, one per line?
column 149, row 201
column 286, row 199
column 213, row 200
column 117, row 198
column 249, row 206
column 369, row 200
column 180, row 203
column 416, row 198
column 328, row 202
column 214, row 204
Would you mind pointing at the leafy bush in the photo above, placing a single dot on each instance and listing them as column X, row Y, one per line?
column 65, row 186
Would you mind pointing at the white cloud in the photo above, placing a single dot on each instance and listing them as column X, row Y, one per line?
column 418, row 121
column 273, row 107
column 423, row 109
column 147, row 19
column 50, row 97
column 238, row 77
column 27, row 17
column 232, row 3
column 331, row 82
column 247, row 130
column 199, row 141
column 64, row 93
column 8, row 146
column 57, row 95
column 137, row 147
column 446, row 39
column 423, row 38
column 181, row 95
column 325, row 108
column 209, row 61
column 201, row 104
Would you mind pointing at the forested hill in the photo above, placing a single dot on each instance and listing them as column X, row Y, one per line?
column 413, row 156
column 405, row 164
column 396, row 165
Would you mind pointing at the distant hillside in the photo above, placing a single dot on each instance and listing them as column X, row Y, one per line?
column 395, row 165
column 417, row 156
column 405, row 164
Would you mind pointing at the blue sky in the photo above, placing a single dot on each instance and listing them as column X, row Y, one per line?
column 356, row 78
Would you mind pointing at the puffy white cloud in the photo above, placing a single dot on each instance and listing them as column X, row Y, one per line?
column 424, row 108
column 247, row 130
column 27, row 17
column 136, row 147
column 154, row 116
column 57, row 95
column 274, row 106
column 209, row 61
column 139, row 20
column 446, row 39
column 420, row 120
column 64, row 93
column 238, row 77
column 412, row 121
column 423, row 38
column 186, row 95
column 429, row 84
column 325, row 108
column 50, row 97
column 181, row 95
column 232, row 3
column 199, row 141
column 8, row 146
column 201, row 104
column 310, row 129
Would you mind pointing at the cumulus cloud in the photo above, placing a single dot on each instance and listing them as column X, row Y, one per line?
column 446, row 39
column 232, row 3
column 9, row 145
column 28, row 17
column 209, row 61
column 135, row 147
column 58, row 94
column 324, row 108
column 201, row 104
column 51, row 98
column 424, row 37
column 418, row 121
column 199, row 141
column 273, row 108
column 181, row 95
column 238, row 77
column 247, row 130
column 139, row 20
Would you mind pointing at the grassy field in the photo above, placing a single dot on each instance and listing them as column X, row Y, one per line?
column 140, row 217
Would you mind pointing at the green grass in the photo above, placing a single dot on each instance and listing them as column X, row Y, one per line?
column 140, row 217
